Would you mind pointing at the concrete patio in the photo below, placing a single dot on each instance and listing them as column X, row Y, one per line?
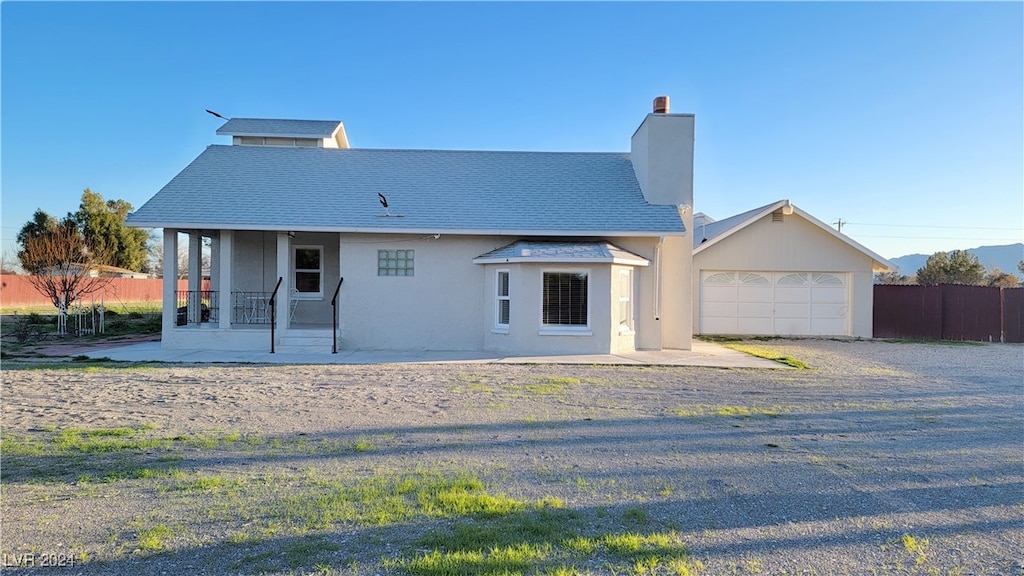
column 703, row 354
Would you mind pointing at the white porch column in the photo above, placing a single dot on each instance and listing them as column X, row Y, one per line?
column 170, row 283
column 195, row 273
column 284, row 293
column 221, row 258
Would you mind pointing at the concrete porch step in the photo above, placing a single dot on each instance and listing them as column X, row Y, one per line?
column 305, row 342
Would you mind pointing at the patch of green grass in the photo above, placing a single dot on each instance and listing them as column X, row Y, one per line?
column 728, row 411
column 153, row 538
column 99, row 454
column 384, row 500
column 635, row 515
column 208, row 483
column 767, row 353
column 544, row 542
column 550, row 385
column 917, row 547
column 362, row 445
column 306, row 550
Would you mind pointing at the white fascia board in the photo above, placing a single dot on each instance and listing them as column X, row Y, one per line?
column 281, row 135
column 881, row 264
column 561, row 260
column 374, row 230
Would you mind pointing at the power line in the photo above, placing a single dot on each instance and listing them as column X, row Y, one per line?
column 988, row 239
column 934, row 226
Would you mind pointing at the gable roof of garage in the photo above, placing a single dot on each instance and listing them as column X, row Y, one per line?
column 710, row 233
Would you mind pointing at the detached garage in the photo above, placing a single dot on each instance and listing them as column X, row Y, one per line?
column 777, row 270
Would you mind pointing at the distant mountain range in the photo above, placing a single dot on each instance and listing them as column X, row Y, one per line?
column 1003, row 257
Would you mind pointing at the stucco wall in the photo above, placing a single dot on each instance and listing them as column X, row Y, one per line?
column 449, row 302
column 440, row 307
column 793, row 245
column 255, row 261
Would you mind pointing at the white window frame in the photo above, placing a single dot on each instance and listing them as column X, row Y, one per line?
column 319, row 294
column 625, row 299
column 565, row 329
column 410, row 257
column 498, row 327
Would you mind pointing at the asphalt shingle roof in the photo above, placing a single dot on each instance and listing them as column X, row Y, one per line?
column 714, row 228
column 304, row 189
column 566, row 251
column 279, row 128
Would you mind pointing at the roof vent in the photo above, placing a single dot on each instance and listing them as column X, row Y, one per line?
column 661, row 105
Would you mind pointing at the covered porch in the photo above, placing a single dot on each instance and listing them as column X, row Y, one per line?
column 263, row 290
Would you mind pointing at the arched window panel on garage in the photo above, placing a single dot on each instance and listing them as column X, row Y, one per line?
column 793, row 279
column 753, row 278
column 720, row 278
column 826, row 280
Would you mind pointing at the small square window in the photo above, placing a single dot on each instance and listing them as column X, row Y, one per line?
column 395, row 262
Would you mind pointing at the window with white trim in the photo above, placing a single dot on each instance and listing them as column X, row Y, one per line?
column 309, row 271
column 395, row 262
column 502, row 301
column 625, row 301
column 565, row 300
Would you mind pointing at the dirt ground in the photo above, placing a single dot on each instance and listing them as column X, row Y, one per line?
column 887, row 458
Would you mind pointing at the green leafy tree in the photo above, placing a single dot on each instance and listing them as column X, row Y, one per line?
column 955, row 267
column 102, row 224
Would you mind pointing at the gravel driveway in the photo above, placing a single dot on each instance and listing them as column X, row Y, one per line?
column 886, row 458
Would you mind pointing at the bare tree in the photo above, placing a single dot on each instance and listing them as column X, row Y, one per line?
column 9, row 263
column 156, row 257
column 893, row 277
column 60, row 266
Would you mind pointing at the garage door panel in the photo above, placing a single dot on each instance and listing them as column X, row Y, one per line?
column 792, row 294
column 835, row 294
column 792, row 310
column 719, row 293
column 828, row 326
column 792, row 326
column 819, row 310
column 755, row 325
column 783, row 303
column 754, row 294
column 719, row 326
column 754, row 309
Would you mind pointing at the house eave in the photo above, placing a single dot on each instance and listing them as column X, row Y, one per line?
column 406, row 230
column 878, row 264
column 561, row 260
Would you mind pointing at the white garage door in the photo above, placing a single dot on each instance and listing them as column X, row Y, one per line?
column 775, row 303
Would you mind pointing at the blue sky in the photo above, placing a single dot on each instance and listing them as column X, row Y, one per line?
column 905, row 120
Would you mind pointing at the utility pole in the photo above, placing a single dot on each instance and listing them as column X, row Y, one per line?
column 839, row 224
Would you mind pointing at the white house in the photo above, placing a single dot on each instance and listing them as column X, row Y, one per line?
column 514, row 252
column 777, row 270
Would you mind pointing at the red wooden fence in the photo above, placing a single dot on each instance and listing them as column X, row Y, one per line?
column 949, row 312
column 17, row 292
